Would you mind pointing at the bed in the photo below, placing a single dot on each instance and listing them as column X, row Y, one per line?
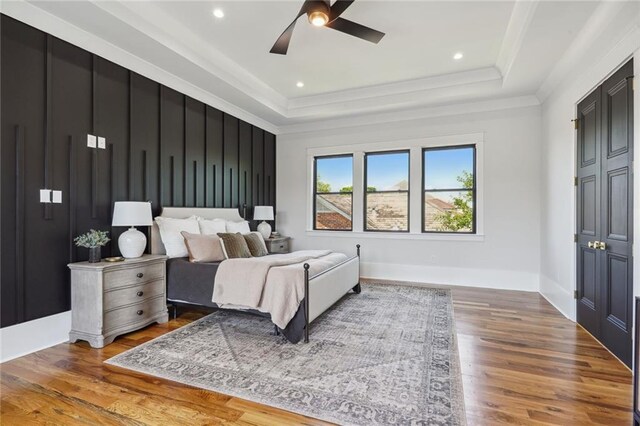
column 191, row 284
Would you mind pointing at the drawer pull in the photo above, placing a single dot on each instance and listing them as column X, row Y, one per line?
column 140, row 275
column 140, row 293
column 140, row 312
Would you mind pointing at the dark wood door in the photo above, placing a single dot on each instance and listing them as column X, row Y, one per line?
column 605, row 213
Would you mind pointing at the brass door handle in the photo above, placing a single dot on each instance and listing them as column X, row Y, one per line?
column 591, row 244
column 601, row 245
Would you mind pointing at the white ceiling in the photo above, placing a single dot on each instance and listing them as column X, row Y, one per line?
column 511, row 50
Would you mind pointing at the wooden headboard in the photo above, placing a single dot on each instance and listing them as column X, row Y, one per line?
column 184, row 212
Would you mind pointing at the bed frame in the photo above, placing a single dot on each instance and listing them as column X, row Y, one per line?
column 321, row 291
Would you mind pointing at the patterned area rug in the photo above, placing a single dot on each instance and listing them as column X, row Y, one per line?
column 387, row 356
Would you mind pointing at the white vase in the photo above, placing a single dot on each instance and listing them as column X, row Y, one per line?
column 132, row 243
column 265, row 229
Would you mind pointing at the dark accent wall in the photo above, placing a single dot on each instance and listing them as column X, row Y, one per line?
column 162, row 146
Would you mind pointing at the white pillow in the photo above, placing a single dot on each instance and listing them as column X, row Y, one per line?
column 212, row 227
column 241, row 227
column 170, row 229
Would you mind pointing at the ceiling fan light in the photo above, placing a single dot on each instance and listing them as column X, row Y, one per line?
column 318, row 18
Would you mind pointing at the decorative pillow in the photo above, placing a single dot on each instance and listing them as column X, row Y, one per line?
column 212, row 227
column 170, row 229
column 256, row 244
column 241, row 227
column 234, row 245
column 203, row 248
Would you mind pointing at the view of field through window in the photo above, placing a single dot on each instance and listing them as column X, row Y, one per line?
column 334, row 193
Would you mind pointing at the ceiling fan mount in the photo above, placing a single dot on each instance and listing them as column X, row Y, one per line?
column 322, row 14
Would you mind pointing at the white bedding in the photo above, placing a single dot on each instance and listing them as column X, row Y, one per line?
column 273, row 284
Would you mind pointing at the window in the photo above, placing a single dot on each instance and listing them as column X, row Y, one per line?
column 449, row 179
column 386, row 202
column 333, row 192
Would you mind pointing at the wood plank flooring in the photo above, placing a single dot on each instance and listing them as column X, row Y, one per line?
column 523, row 363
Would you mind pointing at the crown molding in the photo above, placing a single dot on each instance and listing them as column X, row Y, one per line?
column 397, row 88
column 582, row 45
column 52, row 24
column 517, row 28
column 414, row 114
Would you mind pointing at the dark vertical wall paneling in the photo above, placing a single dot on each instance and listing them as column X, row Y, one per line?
column 269, row 169
column 214, row 153
column 172, row 148
column 244, row 154
column 111, row 121
column 230, row 150
column 144, row 125
column 257, row 167
column 162, row 146
column 194, row 153
column 23, row 114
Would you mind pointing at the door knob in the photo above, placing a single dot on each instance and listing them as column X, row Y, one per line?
column 591, row 244
column 601, row 245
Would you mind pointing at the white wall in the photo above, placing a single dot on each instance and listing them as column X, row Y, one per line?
column 508, row 254
column 558, row 258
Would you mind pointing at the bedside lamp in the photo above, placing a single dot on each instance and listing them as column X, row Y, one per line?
column 132, row 213
column 263, row 213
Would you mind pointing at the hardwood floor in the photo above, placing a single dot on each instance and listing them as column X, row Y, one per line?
column 522, row 362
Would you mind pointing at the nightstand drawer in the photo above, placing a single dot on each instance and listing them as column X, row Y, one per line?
column 133, row 314
column 141, row 274
column 136, row 293
column 279, row 247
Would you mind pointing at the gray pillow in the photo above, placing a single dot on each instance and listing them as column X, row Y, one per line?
column 234, row 245
column 256, row 245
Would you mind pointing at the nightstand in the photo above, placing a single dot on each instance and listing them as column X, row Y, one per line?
column 113, row 298
column 278, row 244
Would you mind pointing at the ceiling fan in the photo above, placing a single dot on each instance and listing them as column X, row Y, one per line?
column 322, row 14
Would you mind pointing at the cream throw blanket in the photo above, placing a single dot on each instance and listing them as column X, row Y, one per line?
column 273, row 284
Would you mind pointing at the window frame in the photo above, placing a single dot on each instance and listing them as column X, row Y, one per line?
column 474, row 189
column 365, row 192
column 315, row 191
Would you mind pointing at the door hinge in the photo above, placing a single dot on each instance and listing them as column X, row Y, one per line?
column 575, row 181
column 575, row 294
column 575, row 238
column 575, row 121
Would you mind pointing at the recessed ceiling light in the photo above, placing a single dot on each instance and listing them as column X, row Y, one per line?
column 458, row 56
column 300, row 84
column 218, row 13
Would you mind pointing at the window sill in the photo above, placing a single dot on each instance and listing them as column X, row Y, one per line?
column 397, row 236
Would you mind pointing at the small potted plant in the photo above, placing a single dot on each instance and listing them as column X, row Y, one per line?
column 93, row 240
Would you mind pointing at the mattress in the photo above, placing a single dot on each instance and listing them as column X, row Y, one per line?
column 192, row 283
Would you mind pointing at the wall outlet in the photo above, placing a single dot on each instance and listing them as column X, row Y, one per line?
column 91, row 141
column 102, row 142
column 57, row 197
column 45, row 195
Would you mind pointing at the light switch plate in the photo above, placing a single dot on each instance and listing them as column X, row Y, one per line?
column 45, row 195
column 57, row 197
column 102, row 142
column 91, row 141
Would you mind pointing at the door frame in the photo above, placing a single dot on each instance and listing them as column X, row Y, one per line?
column 635, row 57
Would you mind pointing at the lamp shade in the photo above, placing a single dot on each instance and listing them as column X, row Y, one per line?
column 132, row 213
column 263, row 213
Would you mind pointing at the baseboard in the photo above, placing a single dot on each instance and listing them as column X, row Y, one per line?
column 468, row 277
column 28, row 337
column 558, row 296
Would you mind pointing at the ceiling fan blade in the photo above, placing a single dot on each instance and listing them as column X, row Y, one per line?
column 281, row 45
column 356, row 30
column 338, row 7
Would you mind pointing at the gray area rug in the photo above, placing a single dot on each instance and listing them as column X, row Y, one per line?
column 387, row 356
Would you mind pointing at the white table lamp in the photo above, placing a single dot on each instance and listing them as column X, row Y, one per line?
column 132, row 213
column 263, row 213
